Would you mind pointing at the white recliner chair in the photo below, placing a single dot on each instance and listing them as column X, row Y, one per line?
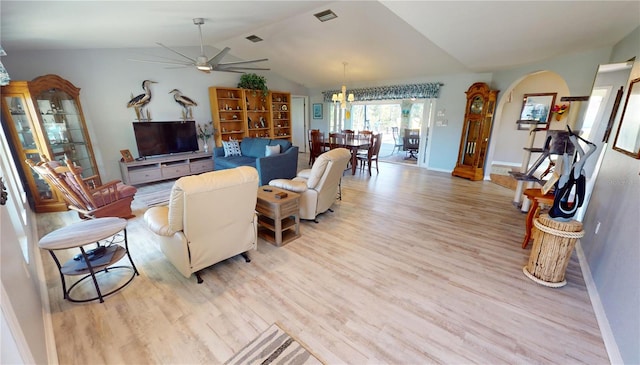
column 318, row 186
column 210, row 217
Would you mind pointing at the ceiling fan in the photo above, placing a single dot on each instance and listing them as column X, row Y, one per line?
column 205, row 64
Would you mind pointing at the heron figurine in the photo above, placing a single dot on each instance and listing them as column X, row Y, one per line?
column 140, row 101
column 185, row 102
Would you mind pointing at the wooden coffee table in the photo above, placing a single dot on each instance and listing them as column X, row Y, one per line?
column 279, row 219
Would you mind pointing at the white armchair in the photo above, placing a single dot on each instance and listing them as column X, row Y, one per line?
column 318, row 186
column 210, row 217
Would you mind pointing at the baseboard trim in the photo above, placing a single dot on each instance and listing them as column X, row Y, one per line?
column 49, row 334
column 439, row 170
column 601, row 316
column 504, row 163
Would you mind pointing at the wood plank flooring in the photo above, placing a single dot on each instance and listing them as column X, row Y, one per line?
column 412, row 267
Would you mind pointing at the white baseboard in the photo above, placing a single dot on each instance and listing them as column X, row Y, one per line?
column 49, row 336
column 504, row 163
column 605, row 329
column 439, row 170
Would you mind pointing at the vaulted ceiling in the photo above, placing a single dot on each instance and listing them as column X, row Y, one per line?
column 380, row 40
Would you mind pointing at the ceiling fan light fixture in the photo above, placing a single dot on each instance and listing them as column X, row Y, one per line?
column 204, row 67
column 326, row 15
column 254, row 38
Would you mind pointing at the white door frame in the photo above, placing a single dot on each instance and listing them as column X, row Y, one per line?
column 305, row 126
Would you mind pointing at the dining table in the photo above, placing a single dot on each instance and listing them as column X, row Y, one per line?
column 352, row 144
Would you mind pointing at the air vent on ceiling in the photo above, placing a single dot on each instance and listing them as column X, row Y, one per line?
column 254, row 38
column 323, row 16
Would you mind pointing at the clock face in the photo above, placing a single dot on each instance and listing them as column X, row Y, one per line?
column 476, row 105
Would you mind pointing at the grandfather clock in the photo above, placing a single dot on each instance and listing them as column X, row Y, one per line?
column 478, row 117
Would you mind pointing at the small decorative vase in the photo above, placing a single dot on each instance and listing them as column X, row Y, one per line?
column 559, row 116
column 206, row 146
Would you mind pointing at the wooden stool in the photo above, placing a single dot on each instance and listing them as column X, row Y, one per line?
column 537, row 198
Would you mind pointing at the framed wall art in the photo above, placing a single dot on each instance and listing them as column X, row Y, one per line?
column 628, row 136
column 536, row 109
column 126, row 156
column 317, row 111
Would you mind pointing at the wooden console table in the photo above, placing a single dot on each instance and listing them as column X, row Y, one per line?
column 166, row 167
column 537, row 198
column 279, row 219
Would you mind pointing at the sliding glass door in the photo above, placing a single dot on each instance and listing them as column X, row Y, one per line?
column 387, row 115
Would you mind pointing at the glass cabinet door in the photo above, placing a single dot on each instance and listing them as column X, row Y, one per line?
column 25, row 142
column 43, row 117
column 63, row 129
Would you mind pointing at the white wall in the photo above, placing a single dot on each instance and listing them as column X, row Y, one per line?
column 107, row 79
column 506, row 137
column 613, row 253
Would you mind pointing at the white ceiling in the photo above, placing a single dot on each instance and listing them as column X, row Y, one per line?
column 386, row 40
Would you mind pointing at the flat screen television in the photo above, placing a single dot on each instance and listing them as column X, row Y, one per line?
column 163, row 138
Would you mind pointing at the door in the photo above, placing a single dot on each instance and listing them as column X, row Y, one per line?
column 299, row 121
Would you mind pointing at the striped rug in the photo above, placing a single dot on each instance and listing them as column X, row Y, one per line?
column 273, row 346
column 155, row 198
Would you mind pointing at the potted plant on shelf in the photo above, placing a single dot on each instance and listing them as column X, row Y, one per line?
column 254, row 82
column 205, row 131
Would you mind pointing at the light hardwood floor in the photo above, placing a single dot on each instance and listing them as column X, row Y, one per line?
column 412, row 267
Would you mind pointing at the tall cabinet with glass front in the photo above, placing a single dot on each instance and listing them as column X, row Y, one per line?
column 44, row 117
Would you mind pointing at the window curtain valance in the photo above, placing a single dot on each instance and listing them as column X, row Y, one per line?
column 418, row 91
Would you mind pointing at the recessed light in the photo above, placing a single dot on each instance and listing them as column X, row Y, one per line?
column 323, row 16
column 254, row 38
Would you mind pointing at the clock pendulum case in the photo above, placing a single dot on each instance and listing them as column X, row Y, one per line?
column 478, row 118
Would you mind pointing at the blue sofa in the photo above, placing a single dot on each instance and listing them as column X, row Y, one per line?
column 281, row 166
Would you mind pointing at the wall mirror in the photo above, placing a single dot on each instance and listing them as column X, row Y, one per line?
column 628, row 136
column 536, row 109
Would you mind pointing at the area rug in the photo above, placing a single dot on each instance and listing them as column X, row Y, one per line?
column 156, row 193
column 273, row 346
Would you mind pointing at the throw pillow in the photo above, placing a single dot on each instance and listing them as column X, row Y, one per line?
column 272, row 150
column 231, row 148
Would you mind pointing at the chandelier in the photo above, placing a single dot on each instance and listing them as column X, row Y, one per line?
column 342, row 97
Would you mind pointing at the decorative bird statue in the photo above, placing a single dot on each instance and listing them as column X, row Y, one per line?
column 140, row 101
column 185, row 102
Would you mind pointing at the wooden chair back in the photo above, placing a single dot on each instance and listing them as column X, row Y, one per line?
column 336, row 140
column 315, row 144
column 54, row 176
column 82, row 194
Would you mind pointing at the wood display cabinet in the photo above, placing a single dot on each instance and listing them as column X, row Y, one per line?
column 281, row 114
column 44, row 117
column 228, row 112
column 478, row 118
column 258, row 114
column 239, row 113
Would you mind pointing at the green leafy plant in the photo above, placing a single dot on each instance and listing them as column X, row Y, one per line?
column 253, row 81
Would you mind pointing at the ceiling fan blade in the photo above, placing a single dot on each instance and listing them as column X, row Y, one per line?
column 243, row 62
column 176, row 52
column 215, row 60
column 184, row 64
column 241, row 68
column 238, row 72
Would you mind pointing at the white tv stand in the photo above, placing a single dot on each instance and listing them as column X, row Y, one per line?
column 165, row 167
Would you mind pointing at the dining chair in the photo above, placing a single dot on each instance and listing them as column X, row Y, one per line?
column 371, row 154
column 349, row 133
column 411, row 143
column 336, row 140
column 397, row 141
column 315, row 145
